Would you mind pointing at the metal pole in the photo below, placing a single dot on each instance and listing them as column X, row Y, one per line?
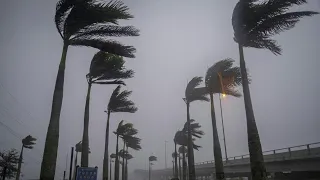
column 70, row 173
column 64, row 175
column 165, row 153
column 224, row 136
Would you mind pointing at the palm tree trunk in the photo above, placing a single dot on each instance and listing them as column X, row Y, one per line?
column 75, row 166
column 258, row 170
column 126, row 166
column 85, row 135
column 184, row 164
column 4, row 173
column 216, row 144
column 106, row 151
column 180, row 167
column 192, row 173
column 48, row 165
column 123, row 165
column 149, row 170
column 116, row 169
column 175, row 161
column 19, row 164
column 110, row 168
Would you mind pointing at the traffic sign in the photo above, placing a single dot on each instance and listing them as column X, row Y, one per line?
column 87, row 173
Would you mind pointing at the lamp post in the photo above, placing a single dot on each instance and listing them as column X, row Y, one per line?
column 221, row 112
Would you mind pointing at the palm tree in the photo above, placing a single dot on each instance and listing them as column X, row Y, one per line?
column 181, row 138
column 192, row 93
column 118, row 103
column 28, row 143
column 133, row 143
column 112, row 156
column 107, row 69
column 254, row 23
column 221, row 78
column 122, row 131
column 151, row 159
column 182, row 150
column 82, row 23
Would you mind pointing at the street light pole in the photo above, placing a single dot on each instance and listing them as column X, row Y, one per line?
column 224, row 136
column 165, row 153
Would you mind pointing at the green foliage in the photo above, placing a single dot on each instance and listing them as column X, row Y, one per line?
column 195, row 129
column 223, row 78
column 9, row 160
column 125, row 154
column 88, row 23
column 108, row 68
column 254, row 22
column 181, row 138
column 28, row 142
column 113, row 156
column 132, row 142
column 119, row 102
column 193, row 93
column 79, row 147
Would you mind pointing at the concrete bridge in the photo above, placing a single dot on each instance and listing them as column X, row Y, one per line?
column 297, row 162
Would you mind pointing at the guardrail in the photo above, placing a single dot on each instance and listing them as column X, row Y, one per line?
column 271, row 152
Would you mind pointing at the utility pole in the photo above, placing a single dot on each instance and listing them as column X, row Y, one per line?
column 165, row 153
column 71, row 162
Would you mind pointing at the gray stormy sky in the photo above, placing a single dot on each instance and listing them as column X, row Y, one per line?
column 179, row 40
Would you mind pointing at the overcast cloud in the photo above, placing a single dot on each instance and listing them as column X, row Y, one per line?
column 179, row 40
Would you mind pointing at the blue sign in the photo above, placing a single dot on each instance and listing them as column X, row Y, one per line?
column 87, row 173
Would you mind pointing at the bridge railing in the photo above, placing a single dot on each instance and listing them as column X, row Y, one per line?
column 289, row 150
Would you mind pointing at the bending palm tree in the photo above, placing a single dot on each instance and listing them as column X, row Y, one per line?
column 254, row 23
column 221, row 78
column 82, row 23
column 193, row 93
column 151, row 159
column 122, row 131
column 133, row 143
column 105, row 68
column 28, row 143
column 112, row 156
column 118, row 103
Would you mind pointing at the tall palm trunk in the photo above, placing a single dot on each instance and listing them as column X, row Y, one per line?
column 216, row 144
column 123, row 163
column 48, row 165
column 184, row 164
column 116, row 168
column 19, row 164
column 126, row 166
column 85, row 135
column 106, row 151
column 110, row 168
column 258, row 170
column 180, row 167
column 75, row 166
column 175, row 161
column 192, row 173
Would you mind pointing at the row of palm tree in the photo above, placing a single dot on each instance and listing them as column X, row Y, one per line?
column 87, row 23
column 254, row 23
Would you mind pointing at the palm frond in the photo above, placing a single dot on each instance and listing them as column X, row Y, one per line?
column 62, row 10
column 152, row 158
column 133, row 142
column 222, row 77
column 119, row 102
column 196, row 81
column 89, row 13
column 105, row 45
column 105, row 67
column 113, row 156
column 28, row 142
column 193, row 92
column 106, row 30
column 182, row 149
column 255, row 22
